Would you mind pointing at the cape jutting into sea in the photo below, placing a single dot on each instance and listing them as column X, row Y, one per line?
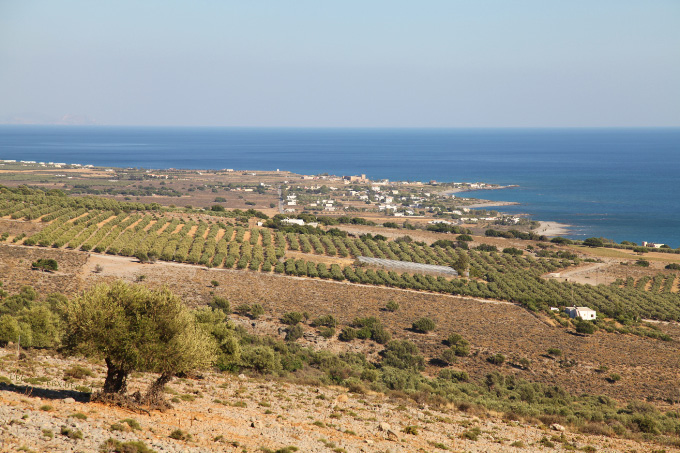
column 622, row 184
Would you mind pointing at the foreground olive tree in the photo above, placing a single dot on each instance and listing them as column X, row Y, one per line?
column 134, row 328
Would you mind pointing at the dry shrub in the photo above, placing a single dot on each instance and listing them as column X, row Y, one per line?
column 597, row 429
column 549, row 419
column 511, row 416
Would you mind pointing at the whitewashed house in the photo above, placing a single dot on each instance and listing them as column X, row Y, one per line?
column 585, row 313
column 288, row 221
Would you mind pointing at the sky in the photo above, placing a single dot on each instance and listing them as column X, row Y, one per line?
column 311, row 63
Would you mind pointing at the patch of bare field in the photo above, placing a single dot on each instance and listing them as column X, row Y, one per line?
column 588, row 274
column 134, row 224
column 105, row 221
column 15, row 269
column 17, row 227
column 319, row 258
column 223, row 412
column 150, row 225
column 192, row 230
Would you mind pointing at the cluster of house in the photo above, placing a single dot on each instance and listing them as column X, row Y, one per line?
column 45, row 164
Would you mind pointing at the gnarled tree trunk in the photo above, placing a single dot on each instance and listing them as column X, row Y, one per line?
column 153, row 397
column 116, row 378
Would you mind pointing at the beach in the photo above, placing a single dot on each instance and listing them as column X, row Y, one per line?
column 489, row 204
column 552, row 229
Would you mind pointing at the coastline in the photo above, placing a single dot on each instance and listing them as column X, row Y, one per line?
column 466, row 189
column 489, row 204
column 552, row 229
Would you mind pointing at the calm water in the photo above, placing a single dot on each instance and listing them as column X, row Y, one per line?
column 623, row 184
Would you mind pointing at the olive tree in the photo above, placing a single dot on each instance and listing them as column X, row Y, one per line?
column 134, row 328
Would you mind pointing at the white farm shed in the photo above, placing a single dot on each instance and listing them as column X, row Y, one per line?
column 584, row 313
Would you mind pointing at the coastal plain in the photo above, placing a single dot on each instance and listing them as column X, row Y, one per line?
column 247, row 411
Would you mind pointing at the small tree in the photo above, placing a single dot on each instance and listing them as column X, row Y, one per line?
column 134, row 328
column 46, row 265
column 462, row 263
column 594, row 242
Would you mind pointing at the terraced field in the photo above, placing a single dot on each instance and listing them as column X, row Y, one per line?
column 149, row 232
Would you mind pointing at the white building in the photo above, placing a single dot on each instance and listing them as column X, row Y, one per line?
column 584, row 313
column 293, row 221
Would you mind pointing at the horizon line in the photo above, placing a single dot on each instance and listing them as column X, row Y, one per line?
column 327, row 127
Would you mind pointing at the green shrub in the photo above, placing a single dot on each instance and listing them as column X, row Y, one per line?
column 71, row 433
column 614, row 377
column 327, row 332
column 404, row 355
column 555, row 352
column 262, row 359
column 459, row 345
column 132, row 423
column 292, row 318
column 392, row 306
column 220, row 303
column 77, row 372
column 371, row 329
column 496, row 359
column 424, row 325
column 178, row 434
column 46, row 264
column 252, row 311
column 326, row 321
column 410, row 429
column 347, row 334
column 449, row 356
column 256, row 310
column 584, row 327
column 471, row 434
column 449, row 374
column 294, row 333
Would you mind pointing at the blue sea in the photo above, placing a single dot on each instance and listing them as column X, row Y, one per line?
column 622, row 184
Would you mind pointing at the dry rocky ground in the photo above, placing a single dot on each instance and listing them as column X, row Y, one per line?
column 228, row 413
column 650, row 369
column 276, row 413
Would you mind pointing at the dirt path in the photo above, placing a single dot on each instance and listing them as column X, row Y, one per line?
column 592, row 274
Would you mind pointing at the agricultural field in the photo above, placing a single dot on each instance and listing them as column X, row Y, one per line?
column 493, row 324
column 150, row 232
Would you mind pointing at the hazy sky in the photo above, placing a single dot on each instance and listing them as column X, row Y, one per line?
column 365, row 63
